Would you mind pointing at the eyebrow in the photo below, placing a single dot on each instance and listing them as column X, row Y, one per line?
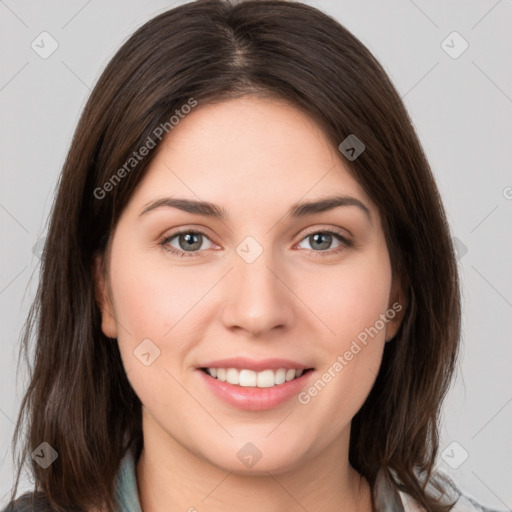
column 297, row 210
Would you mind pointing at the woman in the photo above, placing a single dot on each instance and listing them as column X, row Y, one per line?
column 196, row 349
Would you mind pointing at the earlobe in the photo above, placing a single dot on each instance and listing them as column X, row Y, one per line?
column 101, row 292
column 396, row 311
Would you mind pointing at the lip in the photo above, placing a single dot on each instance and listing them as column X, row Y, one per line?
column 257, row 366
column 252, row 398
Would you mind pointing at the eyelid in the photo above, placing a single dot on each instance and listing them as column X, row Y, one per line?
column 189, row 228
column 343, row 233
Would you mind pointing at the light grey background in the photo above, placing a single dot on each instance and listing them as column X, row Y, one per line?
column 460, row 107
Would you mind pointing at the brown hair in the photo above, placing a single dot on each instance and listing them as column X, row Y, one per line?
column 79, row 399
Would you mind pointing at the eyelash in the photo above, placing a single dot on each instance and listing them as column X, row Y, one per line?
column 345, row 243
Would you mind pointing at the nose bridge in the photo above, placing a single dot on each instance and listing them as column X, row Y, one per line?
column 258, row 300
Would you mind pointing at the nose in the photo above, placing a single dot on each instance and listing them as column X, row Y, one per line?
column 257, row 298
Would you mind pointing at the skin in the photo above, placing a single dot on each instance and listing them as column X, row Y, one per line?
column 255, row 157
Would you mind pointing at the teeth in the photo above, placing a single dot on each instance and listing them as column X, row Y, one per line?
column 232, row 376
column 249, row 378
column 280, row 376
column 267, row 378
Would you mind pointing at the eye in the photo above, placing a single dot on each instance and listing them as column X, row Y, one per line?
column 188, row 242
column 321, row 240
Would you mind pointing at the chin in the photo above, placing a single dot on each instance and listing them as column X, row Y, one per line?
column 255, row 458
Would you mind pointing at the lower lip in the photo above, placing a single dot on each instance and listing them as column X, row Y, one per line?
column 254, row 398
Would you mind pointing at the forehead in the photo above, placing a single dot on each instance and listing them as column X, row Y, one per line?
column 248, row 153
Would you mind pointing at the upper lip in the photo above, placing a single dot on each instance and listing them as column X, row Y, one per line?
column 255, row 365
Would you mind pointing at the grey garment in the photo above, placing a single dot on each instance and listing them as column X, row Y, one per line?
column 388, row 498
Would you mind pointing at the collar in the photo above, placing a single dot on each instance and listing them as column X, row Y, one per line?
column 126, row 489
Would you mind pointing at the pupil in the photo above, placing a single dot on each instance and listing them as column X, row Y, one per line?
column 191, row 240
column 317, row 237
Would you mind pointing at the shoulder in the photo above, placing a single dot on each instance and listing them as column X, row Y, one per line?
column 29, row 502
column 34, row 502
column 462, row 500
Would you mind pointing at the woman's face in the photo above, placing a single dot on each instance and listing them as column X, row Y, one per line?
column 270, row 286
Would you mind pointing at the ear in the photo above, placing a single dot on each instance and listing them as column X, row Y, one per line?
column 396, row 309
column 103, row 299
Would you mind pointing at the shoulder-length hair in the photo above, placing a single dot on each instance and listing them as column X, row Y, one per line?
column 79, row 399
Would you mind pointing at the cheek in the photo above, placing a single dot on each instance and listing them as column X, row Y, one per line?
column 156, row 302
column 352, row 302
column 152, row 297
column 154, row 305
column 349, row 298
